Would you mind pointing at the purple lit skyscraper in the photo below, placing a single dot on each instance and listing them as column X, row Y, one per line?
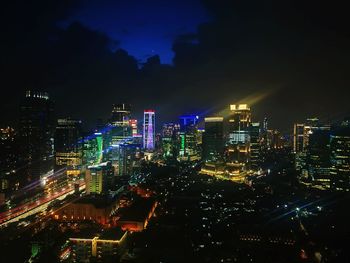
column 148, row 129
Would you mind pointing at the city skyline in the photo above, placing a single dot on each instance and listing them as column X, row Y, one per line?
column 143, row 131
column 277, row 60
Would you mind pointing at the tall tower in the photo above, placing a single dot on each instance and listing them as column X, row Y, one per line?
column 255, row 135
column 148, row 129
column 238, row 150
column 36, row 131
column 213, row 146
column 170, row 135
column 340, row 157
column 119, row 129
column 68, row 146
column 298, row 137
column 188, row 150
column 120, row 114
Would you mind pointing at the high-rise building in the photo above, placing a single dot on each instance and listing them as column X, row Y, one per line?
column 36, row 132
column 8, row 160
column 134, row 128
column 93, row 149
column 317, row 156
column 121, row 114
column 68, row 146
column 340, row 157
column 213, row 139
column 121, row 123
column 170, row 137
column 238, row 144
column 255, row 153
column 119, row 128
column 99, row 178
column 149, row 129
column 298, row 137
column 188, row 138
column 129, row 155
column 310, row 125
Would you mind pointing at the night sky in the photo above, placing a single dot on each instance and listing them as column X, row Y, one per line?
column 289, row 59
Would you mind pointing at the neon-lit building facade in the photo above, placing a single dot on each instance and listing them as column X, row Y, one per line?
column 170, row 137
column 148, row 129
column 188, row 137
column 99, row 178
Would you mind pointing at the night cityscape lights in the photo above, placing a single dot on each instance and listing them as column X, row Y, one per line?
column 174, row 131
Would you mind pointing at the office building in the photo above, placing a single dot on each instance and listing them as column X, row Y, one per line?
column 188, row 138
column 121, row 114
column 169, row 140
column 238, row 144
column 99, row 179
column 255, row 147
column 68, row 146
column 213, row 139
column 318, row 157
column 298, row 137
column 36, row 133
column 149, row 130
column 9, row 161
column 129, row 157
column 340, row 157
column 92, row 149
column 134, row 128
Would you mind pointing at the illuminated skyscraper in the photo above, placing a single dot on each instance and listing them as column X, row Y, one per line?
column 149, row 129
column 36, row 132
column 213, row 139
column 170, row 137
column 129, row 155
column 255, row 156
column 340, row 157
column 99, row 178
column 68, row 145
column 298, row 137
column 121, row 114
column 310, row 159
column 118, row 129
column 120, row 121
column 134, row 128
column 238, row 144
column 188, row 138
column 93, row 149
column 310, row 125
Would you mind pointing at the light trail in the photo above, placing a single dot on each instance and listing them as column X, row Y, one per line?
column 36, row 207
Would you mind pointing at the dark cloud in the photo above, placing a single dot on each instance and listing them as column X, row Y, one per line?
column 289, row 58
column 295, row 48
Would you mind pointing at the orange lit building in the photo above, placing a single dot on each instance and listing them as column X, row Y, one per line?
column 136, row 217
column 96, row 209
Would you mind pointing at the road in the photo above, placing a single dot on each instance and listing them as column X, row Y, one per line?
column 34, row 207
